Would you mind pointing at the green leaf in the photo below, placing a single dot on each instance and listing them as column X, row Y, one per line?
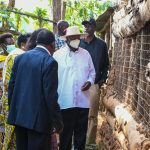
column 11, row 23
column 91, row 14
column 4, row 16
column 81, row 12
column 26, row 20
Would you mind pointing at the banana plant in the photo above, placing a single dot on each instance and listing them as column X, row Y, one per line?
column 41, row 13
column 79, row 10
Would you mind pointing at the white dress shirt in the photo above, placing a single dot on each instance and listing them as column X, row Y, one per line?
column 74, row 69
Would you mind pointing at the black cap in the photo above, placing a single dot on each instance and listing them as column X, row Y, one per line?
column 91, row 21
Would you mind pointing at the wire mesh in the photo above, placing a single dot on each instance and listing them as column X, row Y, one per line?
column 131, row 57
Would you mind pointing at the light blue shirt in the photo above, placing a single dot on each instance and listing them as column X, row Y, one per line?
column 74, row 69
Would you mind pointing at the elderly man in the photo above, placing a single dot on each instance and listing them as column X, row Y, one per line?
column 98, row 51
column 61, row 27
column 76, row 74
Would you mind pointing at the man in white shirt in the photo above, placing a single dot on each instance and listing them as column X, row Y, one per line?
column 76, row 74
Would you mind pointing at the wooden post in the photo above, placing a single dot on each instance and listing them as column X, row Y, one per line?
column 63, row 10
column 11, row 4
column 107, row 39
column 56, row 13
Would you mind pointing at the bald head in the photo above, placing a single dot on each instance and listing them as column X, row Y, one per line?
column 62, row 25
column 47, row 39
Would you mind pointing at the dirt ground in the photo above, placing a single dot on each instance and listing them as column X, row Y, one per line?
column 99, row 144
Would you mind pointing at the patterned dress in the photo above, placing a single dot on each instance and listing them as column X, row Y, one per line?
column 2, row 60
column 9, row 135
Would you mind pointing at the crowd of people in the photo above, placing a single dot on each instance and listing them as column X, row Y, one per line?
column 50, row 87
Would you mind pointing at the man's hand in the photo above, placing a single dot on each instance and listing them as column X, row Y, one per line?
column 59, row 128
column 86, row 86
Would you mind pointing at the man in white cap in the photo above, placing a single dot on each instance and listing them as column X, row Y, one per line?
column 76, row 74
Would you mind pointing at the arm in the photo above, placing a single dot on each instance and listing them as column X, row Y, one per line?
column 50, row 84
column 7, row 72
column 105, row 67
column 92, row 73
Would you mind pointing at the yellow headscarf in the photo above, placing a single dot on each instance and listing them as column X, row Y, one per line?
column 2, row 58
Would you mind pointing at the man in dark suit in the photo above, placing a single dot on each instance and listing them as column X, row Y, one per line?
column 32, row 95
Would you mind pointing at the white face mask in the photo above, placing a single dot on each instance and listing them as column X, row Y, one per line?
column 10, row 48
column 74, row 43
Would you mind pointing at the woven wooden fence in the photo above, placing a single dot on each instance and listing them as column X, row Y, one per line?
column 131, row 57
column 126, row 99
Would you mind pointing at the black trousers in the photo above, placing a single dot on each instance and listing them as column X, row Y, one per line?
column 27, row 139
column 75, row 127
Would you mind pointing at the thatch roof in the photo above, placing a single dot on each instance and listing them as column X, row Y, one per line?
column 103, row 20
column 131, row 18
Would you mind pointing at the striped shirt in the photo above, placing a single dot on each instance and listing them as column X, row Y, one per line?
column 59, row 42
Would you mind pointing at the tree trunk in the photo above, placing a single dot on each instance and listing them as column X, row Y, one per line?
column 11, row 4
column 63, row 10
column 56, row 13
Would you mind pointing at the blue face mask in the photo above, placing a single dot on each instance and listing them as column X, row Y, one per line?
column 10, row 48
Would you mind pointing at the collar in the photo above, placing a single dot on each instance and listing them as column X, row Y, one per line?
column 40, row 46
column 57, row 35
column 70, row 51
column 94, row 38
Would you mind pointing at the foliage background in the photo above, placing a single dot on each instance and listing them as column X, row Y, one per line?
column 76, row 12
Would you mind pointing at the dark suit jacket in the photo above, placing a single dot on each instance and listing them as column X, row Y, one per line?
column 32, row 92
